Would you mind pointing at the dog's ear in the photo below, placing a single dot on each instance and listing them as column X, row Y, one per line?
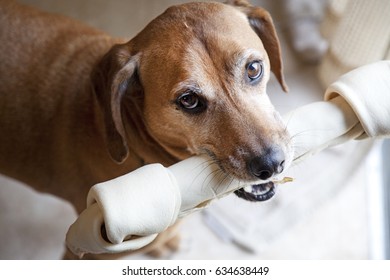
column 114, row 77
column 261, row 22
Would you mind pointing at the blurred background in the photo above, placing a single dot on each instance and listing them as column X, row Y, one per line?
column 336, row 208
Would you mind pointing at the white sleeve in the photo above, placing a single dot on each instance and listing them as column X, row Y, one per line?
column 367, row 90
column 127, row 213
column 356, row 106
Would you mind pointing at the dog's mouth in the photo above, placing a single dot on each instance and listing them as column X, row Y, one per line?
column 257, row 192
column 260, row 192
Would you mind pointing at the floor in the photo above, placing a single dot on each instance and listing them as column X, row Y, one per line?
column 323, row 214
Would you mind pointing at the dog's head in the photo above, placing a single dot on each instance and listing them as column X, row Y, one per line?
column 199, row 73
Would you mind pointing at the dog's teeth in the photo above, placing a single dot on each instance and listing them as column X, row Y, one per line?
column 261, row 191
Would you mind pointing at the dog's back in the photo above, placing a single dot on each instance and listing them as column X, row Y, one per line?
column 46, row 61
column 33, row 42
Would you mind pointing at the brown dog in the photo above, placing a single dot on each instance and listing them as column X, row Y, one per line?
column 78, row 107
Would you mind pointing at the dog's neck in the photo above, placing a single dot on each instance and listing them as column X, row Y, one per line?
column 71, row 136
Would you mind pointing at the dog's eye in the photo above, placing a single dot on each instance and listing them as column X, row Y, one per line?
column 191, row 102
column 254, row 70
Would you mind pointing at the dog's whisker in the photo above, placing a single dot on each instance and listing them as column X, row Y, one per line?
column 209, row 184
column 222, row 182
column 204, row 168
column 216, row 178
column 231, row 181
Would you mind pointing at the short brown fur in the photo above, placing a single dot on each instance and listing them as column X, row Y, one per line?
column 78, row 107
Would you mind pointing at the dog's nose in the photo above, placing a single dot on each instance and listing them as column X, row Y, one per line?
column 268, row 164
